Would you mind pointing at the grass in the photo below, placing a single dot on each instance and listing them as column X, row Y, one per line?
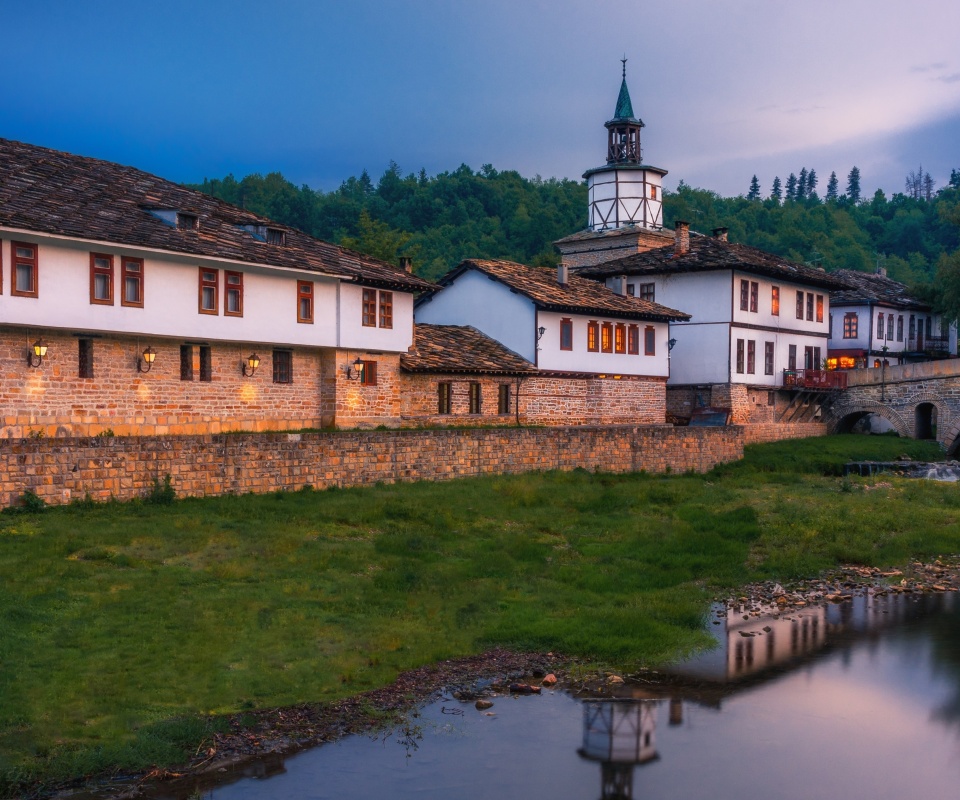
column 127, row 629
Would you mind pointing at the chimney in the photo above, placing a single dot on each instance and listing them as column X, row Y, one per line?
column 681, row 241
column 563, row 274
column 882, row 272
column 620, row 285
column 720, row 234
column 406, row 263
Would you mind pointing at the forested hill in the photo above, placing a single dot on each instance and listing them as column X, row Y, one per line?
column 443, row 219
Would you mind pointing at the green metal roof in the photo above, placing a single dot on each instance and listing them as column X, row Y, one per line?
column 624, row 106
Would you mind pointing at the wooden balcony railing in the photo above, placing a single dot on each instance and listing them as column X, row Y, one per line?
column 814, row 379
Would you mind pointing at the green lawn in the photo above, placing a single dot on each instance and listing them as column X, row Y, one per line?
column 124, row 627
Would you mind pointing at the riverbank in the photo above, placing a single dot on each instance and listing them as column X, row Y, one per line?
column 132, row 633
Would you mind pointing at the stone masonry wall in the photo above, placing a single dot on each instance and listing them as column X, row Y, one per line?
column 755, row 434
column 64, row 469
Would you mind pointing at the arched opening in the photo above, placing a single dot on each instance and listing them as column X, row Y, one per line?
column 865, row 422
column 925, row 421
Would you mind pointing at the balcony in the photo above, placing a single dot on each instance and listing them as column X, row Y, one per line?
column 817, row 379
column 928, row 344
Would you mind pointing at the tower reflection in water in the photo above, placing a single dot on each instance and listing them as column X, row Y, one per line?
column 620, row 735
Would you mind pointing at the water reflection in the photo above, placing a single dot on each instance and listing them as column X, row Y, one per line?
column 620, row 735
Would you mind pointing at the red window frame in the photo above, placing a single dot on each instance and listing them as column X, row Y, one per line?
column 386, row 309
column 744, row 294
column 819, row 308
column 593, row 337
column 606, row 337
column 620, row 338
column 101, row 265
column 369, row 308
column 809, row 306
column 33, row 262
column 131, row 269
column 566, row 334
column 212, row 284
column 633, row 340
column 649, row 341
column 369, row 377
column 305, row 302
column 232, row 288
column 775, row 301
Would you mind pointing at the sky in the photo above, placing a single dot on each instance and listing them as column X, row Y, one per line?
column 320, row 91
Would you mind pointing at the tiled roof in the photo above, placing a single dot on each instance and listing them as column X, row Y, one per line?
column 869, row 287
column 708, row 254
column 577, row 296
column 613, row 233
column 47, row 191
column 461, row 348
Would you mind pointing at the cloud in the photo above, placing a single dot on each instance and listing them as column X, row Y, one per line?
column 954, row 78
column 929, row 67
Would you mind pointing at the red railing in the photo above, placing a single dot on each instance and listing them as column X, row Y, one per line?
column 815, row 379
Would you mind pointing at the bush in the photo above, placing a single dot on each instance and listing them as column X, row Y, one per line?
column 162, row 494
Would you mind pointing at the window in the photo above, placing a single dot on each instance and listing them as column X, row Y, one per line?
column 369, row 377
column 503, row 398
column 653, row 192
column 132, row 281
column 913, row 326
column 370, row 308
column 744, row 295
column 476, row 398
column 186, row 222
column 209, row 291
column 233, row 294
column 929, row 327
column 85, row 358
column 809, row 306
column 890, row 327
column 443, row 398
column 274, row 236
column 880, row 319
column 751, row 357
column 740, row 356
column 649, row 341
column 566, row 334
column 799, row 305
column 900, row 328
column 386, row 309
column 754, row 296
column 808, row 362
column 186, row 362
column 282, row 366
column 850, row 325
column 631, row 290
column 817, row 358
column 775, row 301
column 819, row 308
column 305, row 301
column 206, row 363
column 101, row 279
column 792, row 357
column 648, row 291
column 633, row 340
column 768, row 359
column 620, row 338
column 24, row 273
column 593, row 336
column 606, row 337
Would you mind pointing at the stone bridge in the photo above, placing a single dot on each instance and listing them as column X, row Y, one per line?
column 921, row 401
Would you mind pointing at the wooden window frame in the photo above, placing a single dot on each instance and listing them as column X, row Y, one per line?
column 232, row 289
column 775, row 301
column 85, row 358
column 97, row 271
column 799, row 305
column 633, row 340
column 475, row 397
column 32, row 262
column 900, row 327
column 444, row 392
column 125, row 274
column 606, row 337
column 620, row 338
column 648, row 291
column 368, row 308
column 566, row 334
column 504, row 390
column 282, row 362
column 819, row 308
column 593, row 336
column 768, row 358
column 385, row 306
column 889, row 327
column 741, row 356
column 369, row 376
column 208, row 284
column 851, row 325
column 206, row 363
column 809, row 306
column 754, row 297
column 305, row 296
column 881, row 326
column 649, row 340
column 791, row 356
column 744, row 294
column 751, row 357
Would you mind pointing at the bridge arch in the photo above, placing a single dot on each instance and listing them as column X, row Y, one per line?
column 844, row 417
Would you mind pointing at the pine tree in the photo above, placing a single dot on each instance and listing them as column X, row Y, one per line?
column 955, row 178
column 832, row 187
column 754, row 193
column 802, row 184
column 776, row 193
column 811, row 182
column 853, row 185
column 792, row 187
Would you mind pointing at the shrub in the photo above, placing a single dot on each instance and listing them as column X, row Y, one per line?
column 162, row 494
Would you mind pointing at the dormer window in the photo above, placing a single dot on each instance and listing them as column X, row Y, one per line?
column 186, row 222
column 264, row 234
column 274, row 236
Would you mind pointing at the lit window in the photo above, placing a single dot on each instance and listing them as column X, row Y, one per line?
column 24, row 277
column 620, row 338
column 101, row 279
column 132, row 282
column 386, row 309
column 593, row 336
column 819, row 308
column 209, row 291
column 775, row 301
column 233, row 291
column 566, row 334
column 850, row 325
column 305, row 301
column 606, row 337
column 370, row 308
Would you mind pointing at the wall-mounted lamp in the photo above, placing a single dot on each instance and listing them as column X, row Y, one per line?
column 145, row 363
column 36, row 353
column 355, row 371
column 540, row 331
column 671, row 344
column 253, row 361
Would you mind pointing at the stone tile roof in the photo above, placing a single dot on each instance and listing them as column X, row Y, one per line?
column 869, row 287
column 584, row 236
column 707, row 254
column 578, row 296
column 51, row 192
column 461, row 348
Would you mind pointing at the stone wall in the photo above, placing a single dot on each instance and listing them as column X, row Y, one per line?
column 755, row 434
column 64, row 469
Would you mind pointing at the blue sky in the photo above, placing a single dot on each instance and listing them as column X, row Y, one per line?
column 321, row 90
